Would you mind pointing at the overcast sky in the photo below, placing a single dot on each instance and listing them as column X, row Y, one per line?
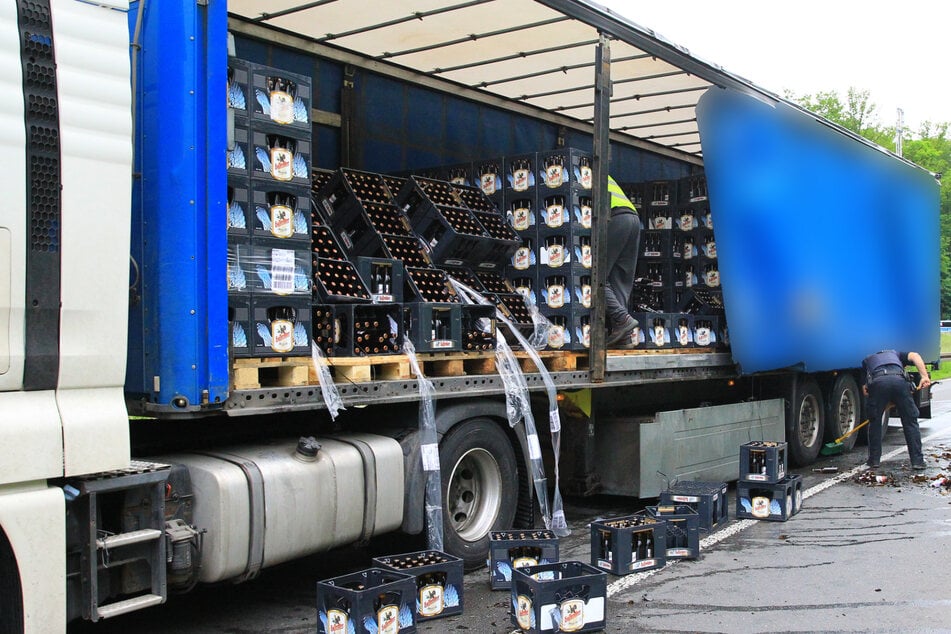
column 898, row 51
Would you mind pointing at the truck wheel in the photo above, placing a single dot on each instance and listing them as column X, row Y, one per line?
column 11, row 599
column 845, row 411
column 479, row 487
column 806, row 423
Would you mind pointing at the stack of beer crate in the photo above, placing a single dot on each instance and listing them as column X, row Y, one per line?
column 269, row 211
column 765, row 490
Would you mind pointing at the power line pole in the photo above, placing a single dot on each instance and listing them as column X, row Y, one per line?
column 898, row 131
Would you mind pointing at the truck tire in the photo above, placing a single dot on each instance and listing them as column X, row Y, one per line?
column 805, row 423
column 479, row 488
column 11, row 598
column 844, row 411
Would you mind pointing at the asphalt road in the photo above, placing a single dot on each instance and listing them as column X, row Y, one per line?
column 860, row 556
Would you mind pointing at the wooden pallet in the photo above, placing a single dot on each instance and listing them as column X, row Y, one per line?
column 251, row 374
column 363, row 369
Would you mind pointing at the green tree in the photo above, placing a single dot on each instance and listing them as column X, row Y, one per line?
column 930, row 148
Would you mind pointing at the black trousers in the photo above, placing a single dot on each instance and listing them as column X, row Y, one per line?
column 624, row 238
column 892, row 388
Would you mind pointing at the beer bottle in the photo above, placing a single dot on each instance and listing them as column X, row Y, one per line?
column 584, row 172
column 606, row 546
column 338, row 614
column 282, row 328
column 431, row 588
column 282, row 151
column 386, row 606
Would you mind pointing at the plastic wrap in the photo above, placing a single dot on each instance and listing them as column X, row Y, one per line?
column 516, row 392
column 328, row 390
column 281, row 271
column 429, row 451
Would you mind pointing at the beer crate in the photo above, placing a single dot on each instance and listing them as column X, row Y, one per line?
column 281, row 326
column 658, row 218
column 692, row 189
column 661, row 193
column 494, row 282
column 487, row 175
column 280, row 97
column 318, row 179
column 632, row 543
column 526, row 286
column 280, row 213
column 239, row 326
column 683, row 529
column 324, row 244
column 393, row 185
column 239, row 88
column 562, row 208
column 702, row 273
column 239, row 266
column 465, row 275
column 568, row 596
column 513, row 549
column 407, row 249
column 706, row 243
column 657, row 272
column 372, row 600
column 568, row 287
column 337, row 281
column 655, row 245
column 280, row 154
column 634, row 193
column 683, row 246
column 763, row 461
column 367, row 329
column 566, row 325
column 514, row 308
column 428, row 285
column 239, row 148
column 347, row 185
column 478, row 327
column 654, row 331
column 439, row 576
column 322, row 328
column 707, row 331
column 388, row 219
column 459, row 174
column 434, row 327
column 564, row 167
column 776, row 501
column 525, row 258
column 708, row 499
column 474, row 198
column 383, row 277
column 280, row 271
column 239, row 207
column 519, row 174
column 501, row 243
column 556, row 250
column 522, row 214
column 685, row 219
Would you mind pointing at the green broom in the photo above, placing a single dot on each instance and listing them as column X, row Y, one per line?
column 836, row 447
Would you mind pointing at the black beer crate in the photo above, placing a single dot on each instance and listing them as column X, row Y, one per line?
column 393, row 185
column 239, row 156
column 465, row 275
column 428, row 285
column 561, row 250
column 239, row 266
column 347, row 185
column 439, row 576
column 337, row 281
column 474, row 198
column 434, row 327
column 478, row 327
column 706, row 273
column 656, row 272
column 280, row 97
column 708, row 499
column 324, row 243
column 513, row 549
column 692, row 189
column 383, row 277
column 318, row 179
column 513, row 307
column 239, row 207
column 501, row 243
column 635, row 193
column 281, row 271
column 705, row 243
column 655, row 331
column 521, row 213
column 373, row 600
column 708, row 331
column 407, row 249
column 633, row 543
column 658, row 218
column 519, row 174
column 561, row 209
column 281, row 326
column 568, row 596
column 239, row 326
column 685, row 219
column 362, row 330
column 683, row 529
column 565, row 167
column 525, row 258
column 566, row 326
column 488, row 176
column 322, row 328
column 386, row 218
column 239, row 88
column 655, row 245
column 280, row 154
column 661, row 194
column 763, row 461
column 568, row 287
column 459, row 174
column 777, row 501
column 494, row 282
column 280, row 213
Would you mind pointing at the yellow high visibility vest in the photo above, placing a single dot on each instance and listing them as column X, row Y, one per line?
column 618, row 197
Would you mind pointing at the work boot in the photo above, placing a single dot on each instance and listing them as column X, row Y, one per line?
column 624, row 329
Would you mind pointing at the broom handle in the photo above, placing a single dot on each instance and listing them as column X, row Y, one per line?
column 851, row 431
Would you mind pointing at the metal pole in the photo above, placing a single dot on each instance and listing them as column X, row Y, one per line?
column 600, row 213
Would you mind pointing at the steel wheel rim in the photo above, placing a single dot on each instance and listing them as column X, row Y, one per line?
column 474, row 494
column 847, row 412
column 808, row 420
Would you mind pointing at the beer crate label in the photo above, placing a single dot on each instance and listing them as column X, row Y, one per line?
column 430, row 455
column 534, row 448
column 282, row 271
column 679, row 552
column 643, row 563
column 755, row 477
column 442, row 343
column 687, row 498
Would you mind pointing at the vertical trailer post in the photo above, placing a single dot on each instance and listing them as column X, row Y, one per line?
column 599, row 201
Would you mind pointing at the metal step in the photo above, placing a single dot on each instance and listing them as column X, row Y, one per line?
column 129, row 605
column 127, row 539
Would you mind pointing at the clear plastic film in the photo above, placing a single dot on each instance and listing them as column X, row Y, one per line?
column 328, row 390
column 283, row 272
column 516, row 391
column 429, row 451
column 540, row 327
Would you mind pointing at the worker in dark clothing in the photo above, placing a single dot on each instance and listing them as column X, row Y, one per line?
column 885, row 384
column 624, row 236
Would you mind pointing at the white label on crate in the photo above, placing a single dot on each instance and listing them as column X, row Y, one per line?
column 430, row 454
column 659, row 203
column 554, row 176
column 703, row 336
column 556, row 296
column 520, row 218
column 431, row 600
column 679, row 552
column 555, row 216
column 282, row 225
column 604, row 564
column 523, row 612
column 554, row 420
column 686, row 498
column 381, row 299
column 520, row 180
column 282, row 271
column 387, row 619
column 697, row 199
column 585, row 177
column 442, row 343
column 756, row 477
column 337, row 621
column 487, row 183
column 593, row 613
column 643, row 563
column 586, row 216
column 282, row 164
column 586, row 256
column 282, row 107
column 572, row 615
column 534, row 449
column 782, row 472
column 760, row 506
column 282, row 335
